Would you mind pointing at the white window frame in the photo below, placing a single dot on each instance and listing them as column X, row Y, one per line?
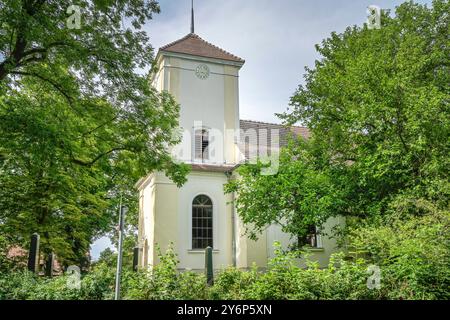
column 215, row 216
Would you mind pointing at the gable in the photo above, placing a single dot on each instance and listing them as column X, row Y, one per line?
column 192, row 44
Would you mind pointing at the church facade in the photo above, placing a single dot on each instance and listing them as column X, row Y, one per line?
column 204, row 80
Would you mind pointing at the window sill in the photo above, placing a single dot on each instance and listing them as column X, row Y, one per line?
column 198, row 251
column 312, row 249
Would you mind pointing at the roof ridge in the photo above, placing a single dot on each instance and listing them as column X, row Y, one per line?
column 176, row 41
column 209, row 43
column 277, row 124
column 193, row 35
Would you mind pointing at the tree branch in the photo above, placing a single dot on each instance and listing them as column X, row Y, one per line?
column 93, row 161
column 54, row 84
column 99, row 126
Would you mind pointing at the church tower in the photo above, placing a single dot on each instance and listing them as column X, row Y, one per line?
column 204, row 80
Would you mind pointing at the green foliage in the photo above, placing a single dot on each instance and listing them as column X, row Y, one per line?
column 109, row 257
column 165, row 282
column 377, row 106
column 78, row 124
column 377, row 101
column 412, row 255
column 5, row 264
column 231, row 284
column 299, row 194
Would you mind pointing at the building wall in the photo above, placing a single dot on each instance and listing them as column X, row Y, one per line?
column 257, row 251
column 211, row 102
column 168, row 219
column 146, row 232
column 166, row 215
column 166, row 211
column 210, row 184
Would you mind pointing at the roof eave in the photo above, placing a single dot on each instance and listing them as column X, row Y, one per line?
column 162, row 53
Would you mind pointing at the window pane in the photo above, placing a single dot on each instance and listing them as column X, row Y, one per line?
column 202, row 232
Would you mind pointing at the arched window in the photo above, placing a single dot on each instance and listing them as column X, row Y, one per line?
column 202, row 222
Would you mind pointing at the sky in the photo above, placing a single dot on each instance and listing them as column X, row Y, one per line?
column 276, row 38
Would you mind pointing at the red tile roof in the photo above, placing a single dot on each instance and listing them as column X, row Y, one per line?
column 258, row 135
column 283, row 130
column 194, row 45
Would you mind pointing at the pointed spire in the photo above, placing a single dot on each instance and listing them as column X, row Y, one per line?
column 192, row 16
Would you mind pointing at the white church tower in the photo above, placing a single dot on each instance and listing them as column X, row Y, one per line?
column 204, row 80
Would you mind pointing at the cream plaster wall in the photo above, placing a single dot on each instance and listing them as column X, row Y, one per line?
column 147, row 221
column 210, row 184
column 257, row 251
column 168, row 218
column 212, row 103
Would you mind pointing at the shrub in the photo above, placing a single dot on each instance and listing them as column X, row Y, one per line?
column 232, row 283
column 17, row 285
column 412, row 253
column 99, row 283
column 165, row 282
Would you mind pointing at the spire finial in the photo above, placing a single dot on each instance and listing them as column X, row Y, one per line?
column 192, row 16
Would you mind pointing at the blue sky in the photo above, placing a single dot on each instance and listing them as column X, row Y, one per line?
column 275, row 37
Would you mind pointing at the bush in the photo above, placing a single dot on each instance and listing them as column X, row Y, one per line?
column 412, row 253
column 232, row 283
column 165, row 282
column 16, row 285
column 24, row 285
column 99, row 284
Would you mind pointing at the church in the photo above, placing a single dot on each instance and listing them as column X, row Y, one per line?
column 204, row 80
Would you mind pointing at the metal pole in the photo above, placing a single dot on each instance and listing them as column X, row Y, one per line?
column 122, row 211
column 209, row 266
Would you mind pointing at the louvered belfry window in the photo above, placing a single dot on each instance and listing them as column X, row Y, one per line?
column 201, row 144
column 202, row 222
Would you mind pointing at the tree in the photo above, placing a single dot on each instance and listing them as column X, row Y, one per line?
column 78, row 123
column 298, row 195
column 377, row 106
column 109, row 257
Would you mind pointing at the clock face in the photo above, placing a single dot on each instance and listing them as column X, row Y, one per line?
column 202, row 71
